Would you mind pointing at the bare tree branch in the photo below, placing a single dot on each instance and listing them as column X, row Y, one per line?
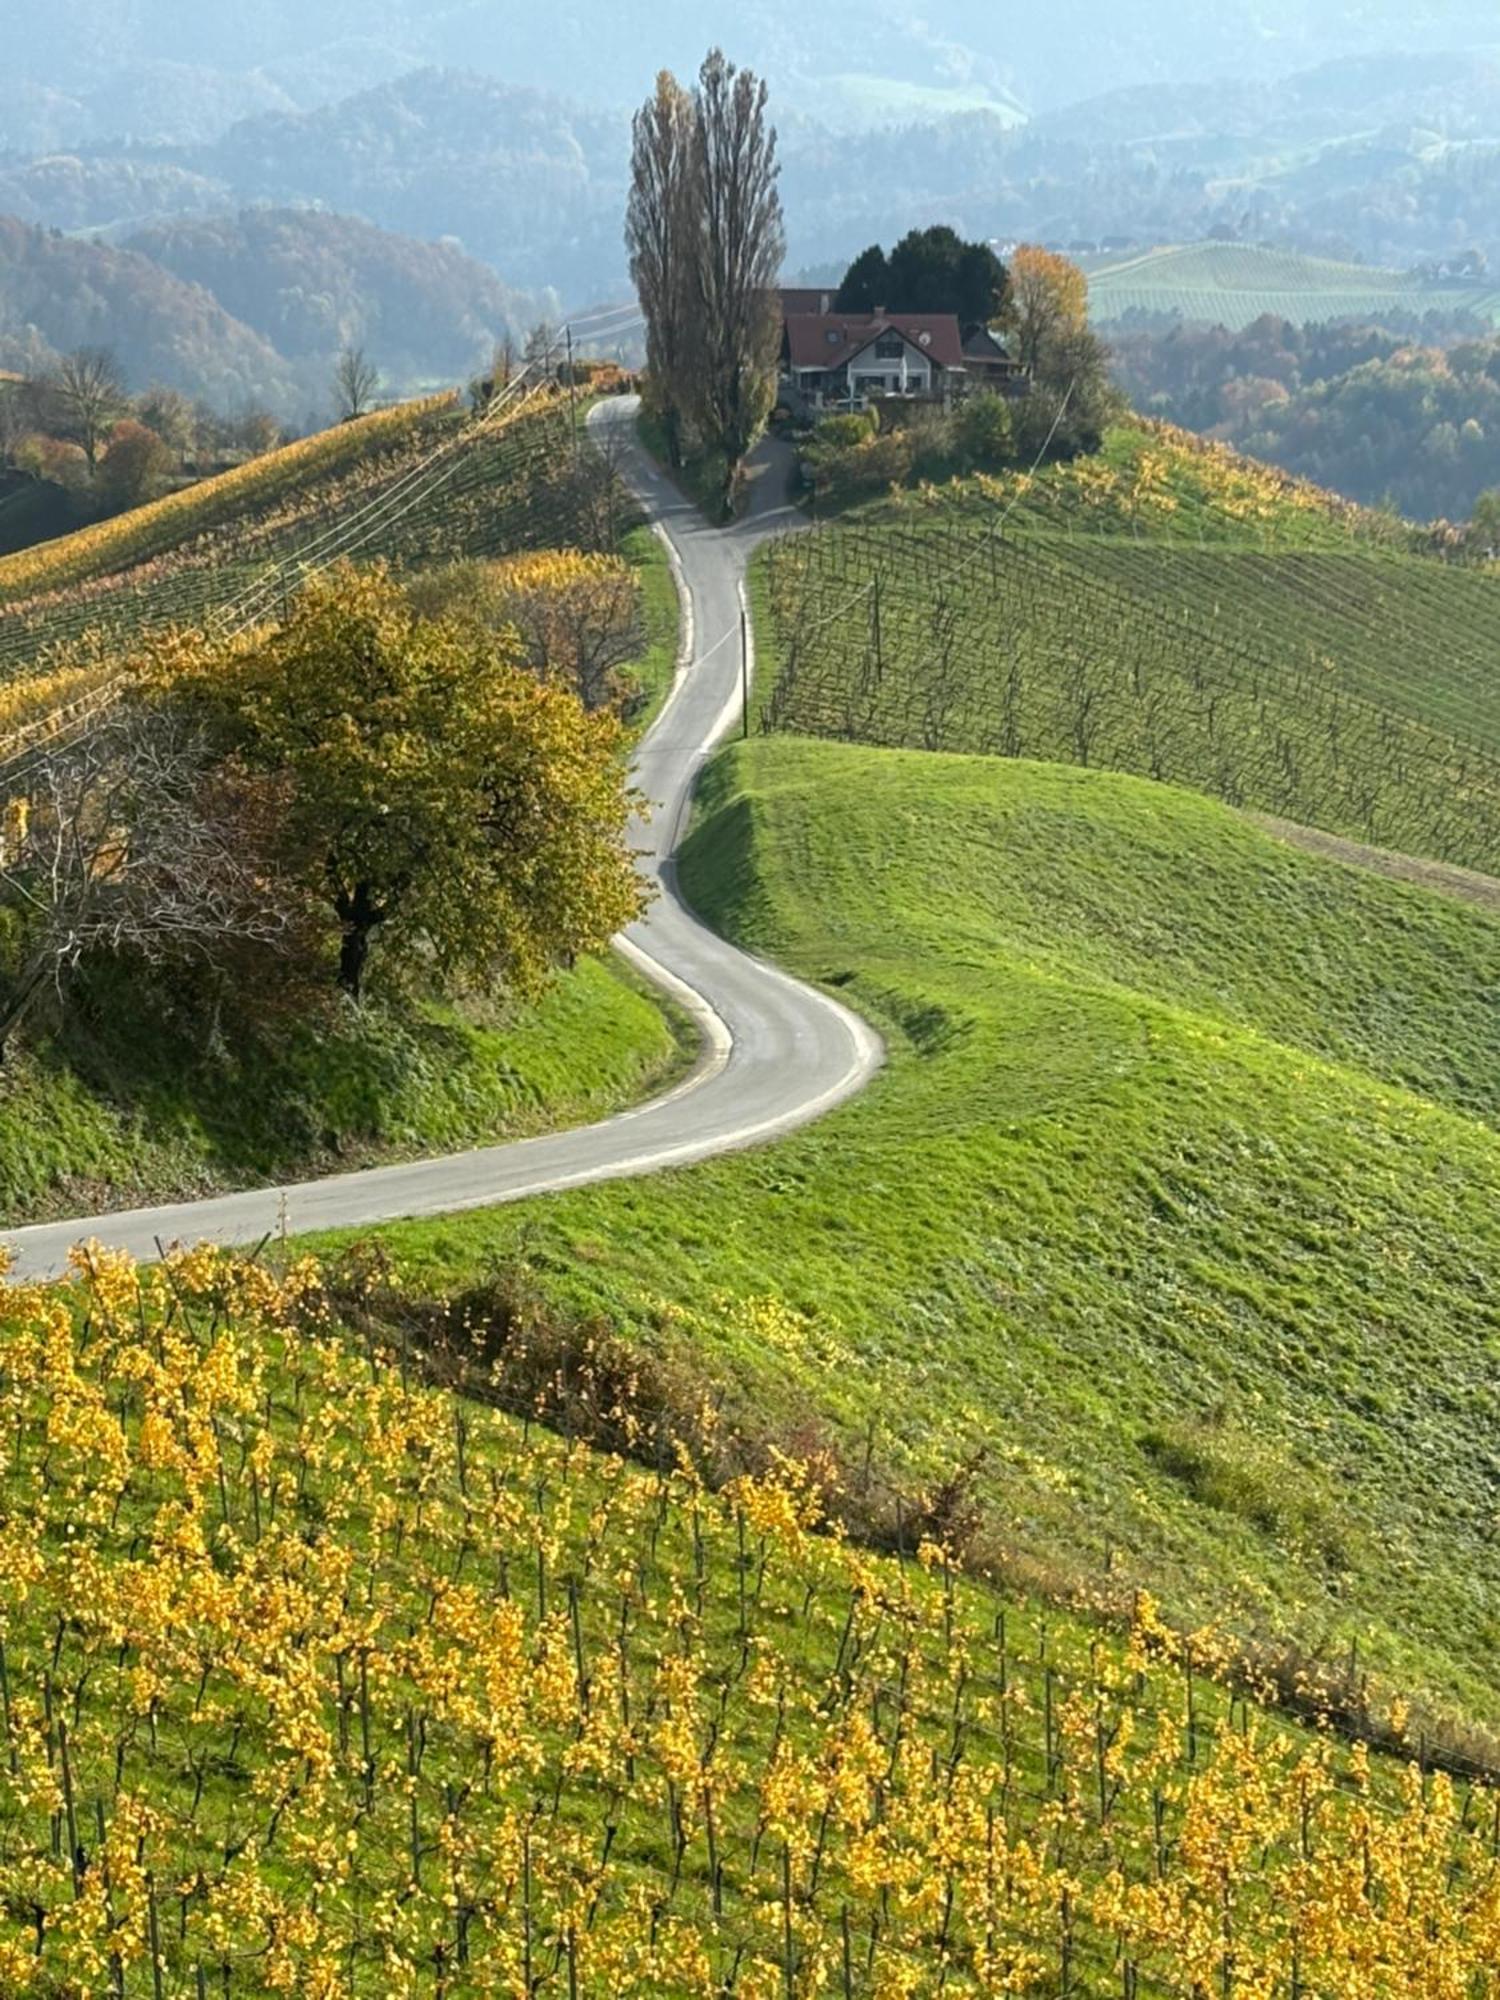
column 117, row 846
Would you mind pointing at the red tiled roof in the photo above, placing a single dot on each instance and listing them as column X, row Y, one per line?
column 828, row 340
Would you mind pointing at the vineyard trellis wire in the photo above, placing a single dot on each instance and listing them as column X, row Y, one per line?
column 1279, row 697
column 196, row 586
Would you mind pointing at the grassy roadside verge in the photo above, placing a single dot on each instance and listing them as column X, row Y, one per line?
column 1173, row 1217
column 120, row 1114
column 652, row 673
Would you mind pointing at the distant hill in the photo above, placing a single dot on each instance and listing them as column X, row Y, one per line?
column 64, row 292
column 1455, row 95
column 529, row 182
column 310, row 283
column 103, row 191
column 1232, row 284
column 600, row 52
column 254, row 308
column 1382, row 157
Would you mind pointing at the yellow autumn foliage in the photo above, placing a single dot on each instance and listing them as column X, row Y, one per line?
column 578, row 613
column 131, row 537
column 316, row 1678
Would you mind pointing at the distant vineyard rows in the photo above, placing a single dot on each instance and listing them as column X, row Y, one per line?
column 1354, row 693
column 1233, row 285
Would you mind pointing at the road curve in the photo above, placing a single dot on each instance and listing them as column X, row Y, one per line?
column 775, row 1053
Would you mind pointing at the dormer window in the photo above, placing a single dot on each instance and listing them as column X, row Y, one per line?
column 888, row 347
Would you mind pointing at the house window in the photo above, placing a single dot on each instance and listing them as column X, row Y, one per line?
column 888, row 347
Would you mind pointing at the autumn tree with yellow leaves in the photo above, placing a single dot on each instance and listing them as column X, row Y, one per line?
column 1045, row 319
column 433, row 794
column 577, row 616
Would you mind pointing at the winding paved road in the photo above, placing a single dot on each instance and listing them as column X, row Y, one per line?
column 775, row 1055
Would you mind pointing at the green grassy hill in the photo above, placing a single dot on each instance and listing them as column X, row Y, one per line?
column 1231, row 284
column 1173, row 1217
column 1166, row 610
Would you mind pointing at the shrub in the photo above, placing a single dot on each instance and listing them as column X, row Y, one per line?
column 985, row 433
column 1236, row 1473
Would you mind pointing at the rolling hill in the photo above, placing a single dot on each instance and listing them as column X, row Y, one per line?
column 311, row 283
column 66, row 293
column 415, row 484
column 1183, row 1133
column 254, row 309
column 1165, row 609
column 1234, row 284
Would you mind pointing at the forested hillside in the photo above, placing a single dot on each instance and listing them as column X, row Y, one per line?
column 1367, row 158
column 255, row 309
column 311, row 283
column 1377, row 415
column 58, row 293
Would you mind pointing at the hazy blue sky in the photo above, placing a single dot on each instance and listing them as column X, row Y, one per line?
column 605, row 50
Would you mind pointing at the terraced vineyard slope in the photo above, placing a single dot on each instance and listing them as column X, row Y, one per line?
column 1168, row 611
column 322, row 1678
column 419, row 484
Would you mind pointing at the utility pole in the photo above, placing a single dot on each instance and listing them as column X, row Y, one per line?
column 572, row 393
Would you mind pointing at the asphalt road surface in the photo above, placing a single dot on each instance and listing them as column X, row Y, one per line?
column 775, row 1055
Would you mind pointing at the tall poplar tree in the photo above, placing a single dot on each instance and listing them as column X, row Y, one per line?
column 740, row 245
column 660, row 224
column 706, row 238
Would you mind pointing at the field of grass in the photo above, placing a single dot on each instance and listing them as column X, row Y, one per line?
column 318, row 1677
column 124, row 1107
column 1233, row 284
column 1185, row 1136
column 1159, row 610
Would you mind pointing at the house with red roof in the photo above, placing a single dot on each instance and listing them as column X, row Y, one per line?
column 844, row 361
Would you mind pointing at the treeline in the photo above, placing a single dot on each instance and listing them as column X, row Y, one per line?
column 77, row 446
column 1369, row 412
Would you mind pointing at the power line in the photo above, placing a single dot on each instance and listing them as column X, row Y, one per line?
column 414, row 486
